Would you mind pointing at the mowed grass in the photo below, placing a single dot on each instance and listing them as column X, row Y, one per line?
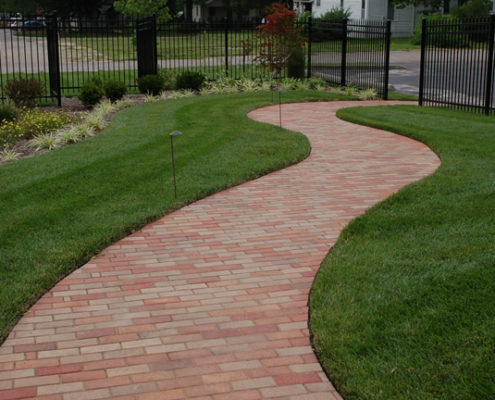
column 404, row 305
column 59, row 209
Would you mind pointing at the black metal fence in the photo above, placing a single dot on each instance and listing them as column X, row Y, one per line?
column 63, row 54
column 457, row 64
column 351, row 53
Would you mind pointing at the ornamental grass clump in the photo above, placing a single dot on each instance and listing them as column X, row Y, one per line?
column 70, row 135
column 48, row 141
column 8, row 155
column 95, row 120
column 104, row 108
column 368, row 94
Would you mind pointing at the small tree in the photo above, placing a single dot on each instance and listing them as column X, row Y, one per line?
column 280, row 38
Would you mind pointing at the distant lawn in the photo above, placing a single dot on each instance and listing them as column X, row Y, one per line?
column 59, row 209
column 212, row 44
column 404, row 305
column 403, row 44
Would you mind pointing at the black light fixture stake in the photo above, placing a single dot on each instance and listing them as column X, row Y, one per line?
column 174, row 133
column 280, row 105
column 272, row 84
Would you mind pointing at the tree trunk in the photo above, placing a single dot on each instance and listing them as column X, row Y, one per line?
column 446, row 6
column 189, row 7
column 172, row 9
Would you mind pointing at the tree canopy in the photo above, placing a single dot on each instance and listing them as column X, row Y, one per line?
column 142, row 8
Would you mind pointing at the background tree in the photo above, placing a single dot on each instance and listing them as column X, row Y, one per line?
column 433, row 5
column 24, row 7
column 188, row 11
column 143, row 8
column 73, row 8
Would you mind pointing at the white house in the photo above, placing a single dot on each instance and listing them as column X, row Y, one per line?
column 403, row 19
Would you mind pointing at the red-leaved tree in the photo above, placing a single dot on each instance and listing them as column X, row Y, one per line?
column 280, row 37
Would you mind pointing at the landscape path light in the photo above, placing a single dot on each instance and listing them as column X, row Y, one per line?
column 280, row 105
column 174, row 133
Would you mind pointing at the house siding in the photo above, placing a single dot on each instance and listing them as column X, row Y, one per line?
column 403, row 20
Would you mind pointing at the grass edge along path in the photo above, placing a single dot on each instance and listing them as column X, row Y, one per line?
column 61, row 208
column 404, row 305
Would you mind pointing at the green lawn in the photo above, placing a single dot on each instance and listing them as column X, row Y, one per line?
column 181, row 46
column 198, row 46
column 404, row 305
column 61, row 208
column 403, row 44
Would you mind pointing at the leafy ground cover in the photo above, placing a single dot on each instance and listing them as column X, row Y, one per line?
column 61, row 208
column 404, row 305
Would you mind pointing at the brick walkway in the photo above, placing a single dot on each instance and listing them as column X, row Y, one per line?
column 210, row 302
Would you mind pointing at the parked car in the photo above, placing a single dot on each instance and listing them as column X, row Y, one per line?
column 15, row 21
column 33, row 25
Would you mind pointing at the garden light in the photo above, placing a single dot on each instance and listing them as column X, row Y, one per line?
column 174, row 133
column 280, row 105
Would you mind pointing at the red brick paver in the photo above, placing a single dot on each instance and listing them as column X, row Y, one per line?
column 210, row 302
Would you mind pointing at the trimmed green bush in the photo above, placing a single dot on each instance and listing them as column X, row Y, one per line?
column 168, row 79
column 24, row 91
column 91, row 93
column 329, row 25
column 296, row 65
column 151, row 84
column 114, row 90
column 8, row 112
column 189, row 80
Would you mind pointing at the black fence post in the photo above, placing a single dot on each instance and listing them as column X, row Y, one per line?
column 343, row 65
column 388, row 34
column 226, row 20
column 146, row 46
column 310, row 38
column 53, row 57
column 424, row 34
column 489, row 69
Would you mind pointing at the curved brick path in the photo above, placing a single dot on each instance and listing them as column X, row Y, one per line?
column 210, row 301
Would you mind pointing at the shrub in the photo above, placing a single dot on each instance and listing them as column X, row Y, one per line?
column 114, row 90
column 24, row 91
column 189, row 80
column 91, row 93
column 151, row 84
column 473, row 8
column 35, row 123
column 8, row 112
column 168, row 79
column 296, row 65
column 329, row 25
column 9, row 134
column 454, row 38
column 336, row 14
